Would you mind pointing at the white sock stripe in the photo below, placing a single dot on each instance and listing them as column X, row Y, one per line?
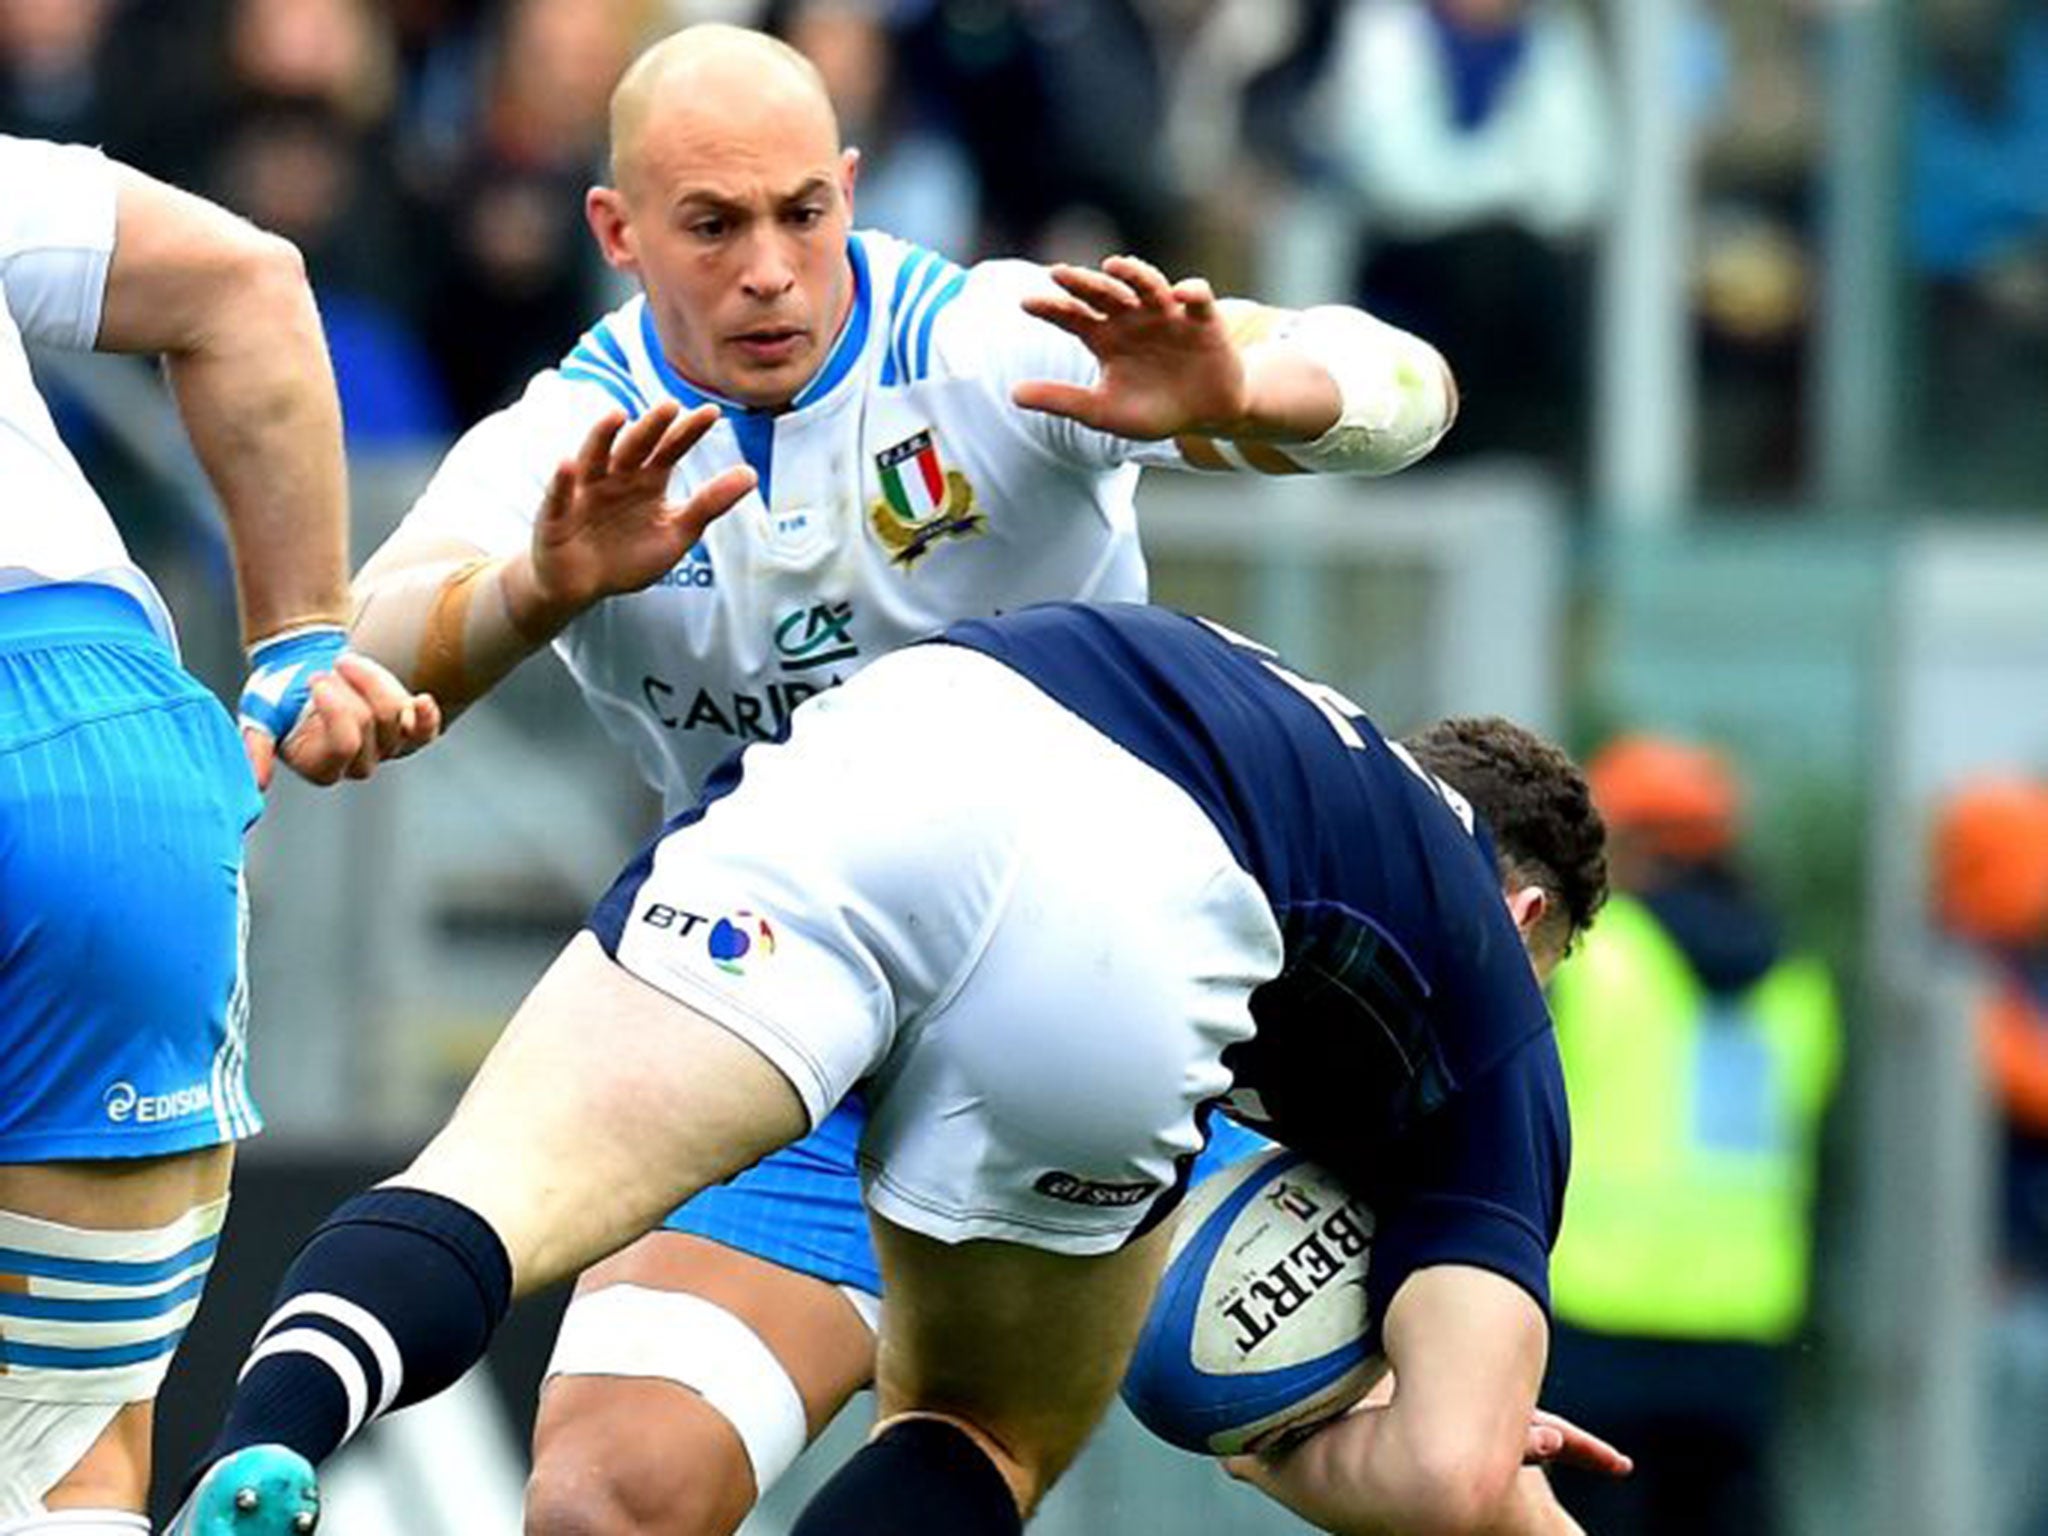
column 361, row 1322
column 330, row 1352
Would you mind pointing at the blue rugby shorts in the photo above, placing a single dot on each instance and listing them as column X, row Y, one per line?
column 124, row 797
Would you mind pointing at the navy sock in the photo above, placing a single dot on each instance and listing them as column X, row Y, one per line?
column 391, row 1299
column 922, row 1477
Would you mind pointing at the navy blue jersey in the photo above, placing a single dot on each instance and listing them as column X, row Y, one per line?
column 1405, row 1043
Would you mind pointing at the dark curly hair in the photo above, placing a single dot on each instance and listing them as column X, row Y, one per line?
column 1534, row 800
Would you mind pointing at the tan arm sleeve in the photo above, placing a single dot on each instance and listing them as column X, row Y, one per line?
column 440, row 616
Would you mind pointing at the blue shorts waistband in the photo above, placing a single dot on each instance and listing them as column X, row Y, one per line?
column 72, row 613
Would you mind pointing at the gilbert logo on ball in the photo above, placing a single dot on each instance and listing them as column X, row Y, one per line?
column 1259, row 1323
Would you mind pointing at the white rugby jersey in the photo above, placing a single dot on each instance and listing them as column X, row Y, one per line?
column 900, row 491
column 57, row 210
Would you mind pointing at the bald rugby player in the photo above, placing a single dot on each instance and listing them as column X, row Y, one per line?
column 799, row 447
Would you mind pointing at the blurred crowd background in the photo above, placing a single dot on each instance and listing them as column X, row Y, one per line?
column 429, row 156
column 1748, row 301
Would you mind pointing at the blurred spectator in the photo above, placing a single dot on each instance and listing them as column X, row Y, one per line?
column 1749, row 80
column 1991, row 889
column 1062, row 106
column 50, row 68
column 301, row 142
column 1237, row 72
column 915, row 179
column 1978, row 183
column 1701, row 1055
column 1476, row 133
column 517, row 273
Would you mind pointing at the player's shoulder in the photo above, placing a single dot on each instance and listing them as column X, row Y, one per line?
column 611, row 366
column 925, row 301
column 54, row 194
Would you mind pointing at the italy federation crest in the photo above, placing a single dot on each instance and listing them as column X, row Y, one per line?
column 922, row 501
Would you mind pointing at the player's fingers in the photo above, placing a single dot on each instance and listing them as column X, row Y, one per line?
column 1581, row 1447
column 426, row 715
column 1103, row 290
column 639, row 438
column 596, row 452
column 709, row 502
column 1055, row 399
column 561, row 494
column 390, row 702
column 1145, row 280
column 337, row 725
column 682, row 435
column 1196, row 297
column 261, row 751
column 1070, row 315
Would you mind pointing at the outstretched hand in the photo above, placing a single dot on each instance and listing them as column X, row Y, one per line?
column 1168, row 363
column 607, row 525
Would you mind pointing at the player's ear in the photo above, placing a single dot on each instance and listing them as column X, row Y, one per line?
column 604, row 208
column 1528, row 905
column 849, row 173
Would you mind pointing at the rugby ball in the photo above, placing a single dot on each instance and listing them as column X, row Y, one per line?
column 1258, row 1326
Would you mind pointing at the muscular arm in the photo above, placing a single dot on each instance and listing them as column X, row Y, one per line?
column 229, row 308
column 1444, row 1457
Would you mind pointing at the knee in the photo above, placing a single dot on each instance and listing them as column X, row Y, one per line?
column 592, row 1477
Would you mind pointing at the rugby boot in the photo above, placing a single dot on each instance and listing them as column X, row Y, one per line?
column 260, row 1490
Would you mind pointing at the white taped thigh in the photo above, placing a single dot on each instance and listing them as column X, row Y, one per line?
column 91, row 1319
column 80, row 1522
column 635, row 1331
column 39, row 1444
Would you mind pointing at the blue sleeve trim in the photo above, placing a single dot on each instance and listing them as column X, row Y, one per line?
column 585, row 356
column 628, row 403
column 892, row 363
column 946, row 295
column 609, row 345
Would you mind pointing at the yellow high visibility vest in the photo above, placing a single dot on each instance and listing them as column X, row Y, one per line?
column 1695, row 1130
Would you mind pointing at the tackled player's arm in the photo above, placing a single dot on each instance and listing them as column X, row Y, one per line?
column 1445, row 1456
column 1331, row 390
column 230, row 309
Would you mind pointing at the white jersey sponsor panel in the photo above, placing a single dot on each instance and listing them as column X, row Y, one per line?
column 900, row 491
column 57, row 215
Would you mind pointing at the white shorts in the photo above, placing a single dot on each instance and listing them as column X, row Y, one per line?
column 1030, row 947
